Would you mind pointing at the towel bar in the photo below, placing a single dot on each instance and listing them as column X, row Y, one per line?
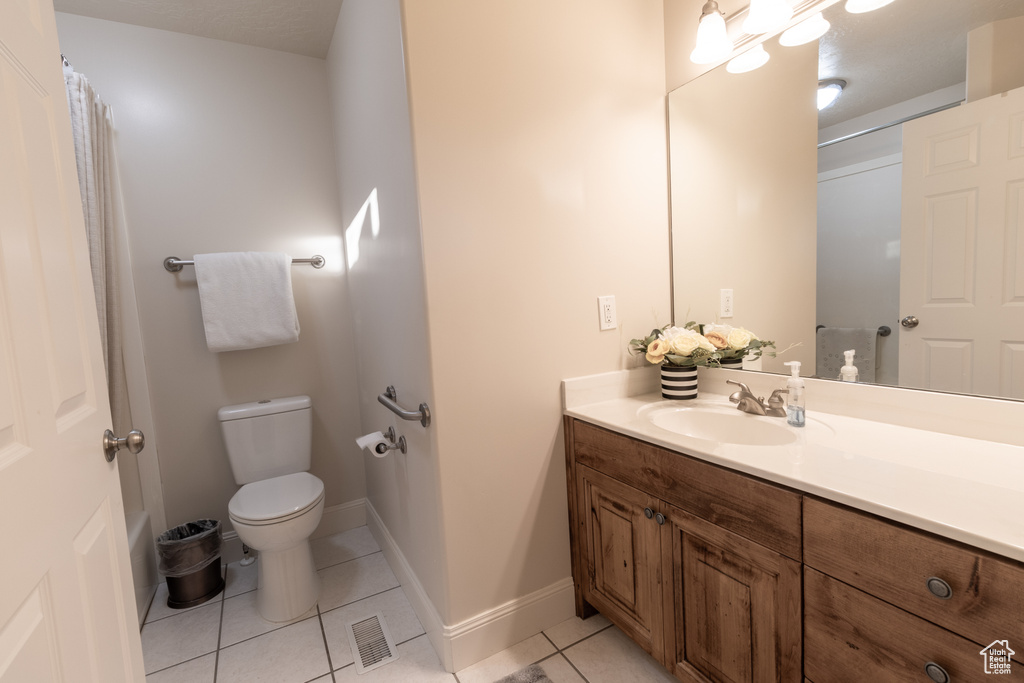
column 883, row 331
column 388, row 398
column 173, row 264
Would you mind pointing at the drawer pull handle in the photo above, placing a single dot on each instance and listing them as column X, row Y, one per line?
column 660, row 518
column 648, row 513
column 936, row 673
column 939, row 588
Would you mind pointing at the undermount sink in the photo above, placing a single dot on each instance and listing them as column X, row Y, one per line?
column 722, row 424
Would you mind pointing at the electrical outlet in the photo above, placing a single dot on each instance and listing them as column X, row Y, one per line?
column 606, row 311
column 725, row 308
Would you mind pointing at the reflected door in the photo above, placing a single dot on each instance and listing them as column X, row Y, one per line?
column 67, row 608
column 962, row 261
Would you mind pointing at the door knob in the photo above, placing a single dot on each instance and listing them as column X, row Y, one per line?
column 134, row 442
column 910, row 321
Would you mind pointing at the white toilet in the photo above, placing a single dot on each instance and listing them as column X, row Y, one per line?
column 280, row 502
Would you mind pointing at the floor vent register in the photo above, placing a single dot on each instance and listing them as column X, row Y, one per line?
column 372, row 643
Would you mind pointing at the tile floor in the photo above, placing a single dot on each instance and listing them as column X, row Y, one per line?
column 225, row 640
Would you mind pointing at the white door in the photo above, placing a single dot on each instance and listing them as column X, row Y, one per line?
column 67, row 608
column 962, row 253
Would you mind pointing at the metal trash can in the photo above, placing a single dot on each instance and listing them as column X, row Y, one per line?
column 190, row 559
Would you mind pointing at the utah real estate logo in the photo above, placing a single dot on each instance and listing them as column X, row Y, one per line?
column 997, row 657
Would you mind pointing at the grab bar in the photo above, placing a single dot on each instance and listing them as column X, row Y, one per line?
column 173, row 264
column 388, row 398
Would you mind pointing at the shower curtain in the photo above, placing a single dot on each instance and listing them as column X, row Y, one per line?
column 93, row 130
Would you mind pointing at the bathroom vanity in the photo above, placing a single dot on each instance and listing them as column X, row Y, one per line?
column 725, row 575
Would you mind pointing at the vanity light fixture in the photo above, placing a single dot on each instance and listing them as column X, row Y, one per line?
column 807, row 30
column 752, row 59
column 765, row 16
column 713, row 44
column 828, row 90
column 861, row 6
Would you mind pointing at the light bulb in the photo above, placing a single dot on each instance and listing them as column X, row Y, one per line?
column 713, row 44
column 807, row 30
column 765, row 16
column 861, row 6
column 828, row 91
column 753, row 58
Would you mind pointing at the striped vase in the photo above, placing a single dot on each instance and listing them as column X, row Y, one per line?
column 677, row 382
column 732, row 363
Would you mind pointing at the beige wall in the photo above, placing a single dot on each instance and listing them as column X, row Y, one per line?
column 539, row 132
column 743, row 199
column 995, row 58
column 374, row 153
column 225, row 147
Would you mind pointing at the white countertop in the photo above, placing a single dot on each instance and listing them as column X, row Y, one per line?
column 967, row 489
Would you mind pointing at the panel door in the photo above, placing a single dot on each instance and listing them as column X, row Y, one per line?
column 962, row 253
column 735, row 606
column 67, row 608
column 621, row 556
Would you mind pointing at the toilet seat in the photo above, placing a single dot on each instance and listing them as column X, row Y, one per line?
column 276, row 500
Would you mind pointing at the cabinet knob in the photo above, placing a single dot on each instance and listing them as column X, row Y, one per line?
column 936, row 673
column 648, row 513
column 939, row 588
column 660, row 518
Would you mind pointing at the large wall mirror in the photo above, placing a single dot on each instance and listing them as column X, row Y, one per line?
column 904, row 199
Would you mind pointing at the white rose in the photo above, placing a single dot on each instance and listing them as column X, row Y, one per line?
column 739, row 338
column 706, row 344
column 684, row 345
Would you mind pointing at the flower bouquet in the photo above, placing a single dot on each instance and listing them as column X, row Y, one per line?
column 678, row 350
column 733, row 344
column 683, row 347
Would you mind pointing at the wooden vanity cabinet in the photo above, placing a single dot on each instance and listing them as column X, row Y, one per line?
column 884, row 602
column 733, row 605
column 621, row 556
column 679, row 554
column 724, row 577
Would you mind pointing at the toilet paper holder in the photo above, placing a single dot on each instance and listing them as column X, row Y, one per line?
column 399, row 445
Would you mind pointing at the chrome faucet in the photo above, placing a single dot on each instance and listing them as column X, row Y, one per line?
column 748, row 403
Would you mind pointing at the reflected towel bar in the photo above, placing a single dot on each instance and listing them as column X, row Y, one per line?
column 883, row 331
column 388, row 398
column 173, row 264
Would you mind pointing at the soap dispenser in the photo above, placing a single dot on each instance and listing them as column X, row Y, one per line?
column 848, row 373
column 795, row 386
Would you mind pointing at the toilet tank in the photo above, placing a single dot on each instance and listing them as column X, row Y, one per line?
column 267, row 438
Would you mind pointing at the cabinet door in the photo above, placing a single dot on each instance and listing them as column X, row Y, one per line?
column 735, row 606
column 621, row 554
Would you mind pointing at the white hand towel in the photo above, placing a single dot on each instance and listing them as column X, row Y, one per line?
column 246, row 299
column 833, row 341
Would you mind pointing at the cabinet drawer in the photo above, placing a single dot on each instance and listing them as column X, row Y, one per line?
column 895, row 563
column 852, row 637
column 755, row 509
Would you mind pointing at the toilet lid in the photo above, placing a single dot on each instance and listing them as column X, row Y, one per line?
column 270, row 499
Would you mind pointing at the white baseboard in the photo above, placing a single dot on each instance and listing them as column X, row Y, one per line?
column 466, row 643
column 336, row 519
column 230, row 547
column 343, row 517
column 502, row 627
column 421, row 603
